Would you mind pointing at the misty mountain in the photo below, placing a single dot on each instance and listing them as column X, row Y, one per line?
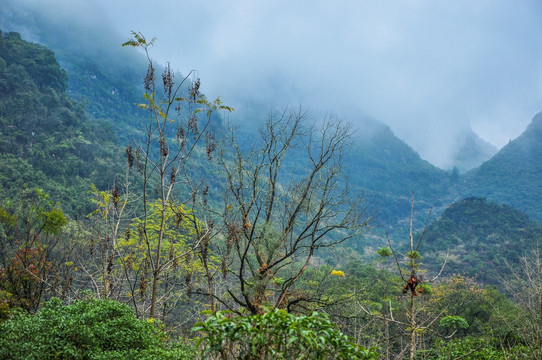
column 471, row 151
column 512, row 176
column 388, row 170
column 107, row 80
column 102, row 75
column 482, row 238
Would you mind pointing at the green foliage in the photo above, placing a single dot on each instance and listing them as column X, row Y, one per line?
column 54, row 221
column 31, row 214
column 46, row 139
column 38, row 61
column 483, row 238
column 454, row 322
column 414, row 255
column 426, row 289
column 29, row 231
column 512, row 176
column 139, row 246
column 384, row 251
column 86, row 329
column 477, row 349
column 139, row 41
column 277, row 335
column 5, row 311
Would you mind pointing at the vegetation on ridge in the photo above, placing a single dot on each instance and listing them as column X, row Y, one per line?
column 482, row 239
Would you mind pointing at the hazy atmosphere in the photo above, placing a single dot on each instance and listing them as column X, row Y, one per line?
column 374, row 195
column 428, row 69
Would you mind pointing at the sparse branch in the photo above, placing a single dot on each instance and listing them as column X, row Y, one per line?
column 378, row 316
column 395, row 258
column 277, row 219
column 424, row 229
column 442, row 267
column 411, row 237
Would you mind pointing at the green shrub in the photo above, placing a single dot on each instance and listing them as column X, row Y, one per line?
column 454, row 322
column 477, row 349
column 90, row 329
column 277, row 335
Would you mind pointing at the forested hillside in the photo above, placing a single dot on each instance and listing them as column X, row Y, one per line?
column 484, row 240
column 47, row 139
column 388, row 170
column 104, row 77
column 512, row 176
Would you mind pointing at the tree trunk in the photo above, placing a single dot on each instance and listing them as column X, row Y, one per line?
column 208, row 275
column 412, row 328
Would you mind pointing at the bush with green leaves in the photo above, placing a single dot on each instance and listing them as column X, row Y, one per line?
column 454, row 322
column 477, row 349
column 90, row 329
column 277, row 334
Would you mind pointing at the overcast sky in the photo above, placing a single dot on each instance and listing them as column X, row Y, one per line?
column 428, row 68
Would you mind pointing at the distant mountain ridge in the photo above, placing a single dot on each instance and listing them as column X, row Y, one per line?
column 387, row 170
column 379, row 164
column 471, row 151
column 513, row 175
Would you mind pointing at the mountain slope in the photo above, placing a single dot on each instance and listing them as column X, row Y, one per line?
column 471, row 151
column 512, row 176
column 481, row 237
column 388, row 170
column 47, row 140
column 105, row 77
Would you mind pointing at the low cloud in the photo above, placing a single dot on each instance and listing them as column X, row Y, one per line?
column 428, row 69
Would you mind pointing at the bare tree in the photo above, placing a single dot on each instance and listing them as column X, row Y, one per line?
column 102, row 266
column 285, row 199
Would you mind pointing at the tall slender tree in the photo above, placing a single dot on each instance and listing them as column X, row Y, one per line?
column 417, row 321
